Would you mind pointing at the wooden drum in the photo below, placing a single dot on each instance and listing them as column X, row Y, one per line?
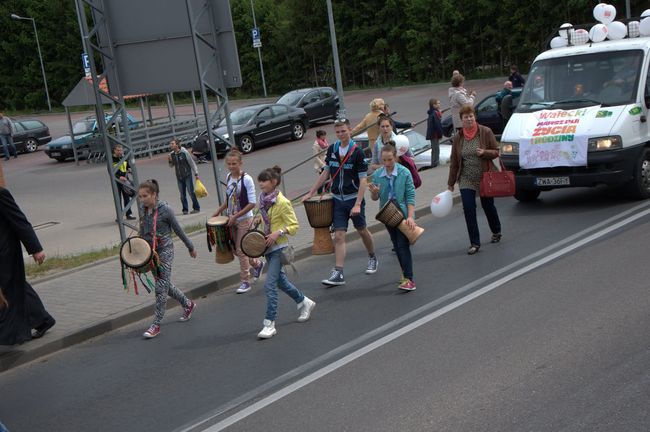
column 320, row 213
column 391, row 215
column 220, row 238
column 253, row 243
column 136, row 254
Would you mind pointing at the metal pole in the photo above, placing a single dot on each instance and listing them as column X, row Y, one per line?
column 627, row 9
column 335, row 56
column 38, row 46
column 259, row 52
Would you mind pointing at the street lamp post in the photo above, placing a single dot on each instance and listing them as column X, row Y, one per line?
column 335, row 56
column 40, row 56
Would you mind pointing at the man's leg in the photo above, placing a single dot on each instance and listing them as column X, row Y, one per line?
column 182, row 189
column 5, row 144
column 190, row 187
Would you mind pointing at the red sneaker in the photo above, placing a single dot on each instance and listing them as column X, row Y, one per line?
column 407, row 285
column 152, row 331
column 187, row 312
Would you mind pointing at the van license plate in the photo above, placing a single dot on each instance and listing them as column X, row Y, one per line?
column 552, row 181
column 55, row 154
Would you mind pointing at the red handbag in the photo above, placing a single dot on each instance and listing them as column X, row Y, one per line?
column 497, row 183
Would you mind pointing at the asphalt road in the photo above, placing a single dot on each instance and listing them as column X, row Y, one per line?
column 73, row 205
column 545, row 331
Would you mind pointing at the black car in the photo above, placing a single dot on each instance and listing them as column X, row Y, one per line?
column 320, row 103
column 29, row 134
column 258, row 125
column 487, row 114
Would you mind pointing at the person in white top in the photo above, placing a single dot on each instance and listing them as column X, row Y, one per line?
column 459, row 97
column 239, row 204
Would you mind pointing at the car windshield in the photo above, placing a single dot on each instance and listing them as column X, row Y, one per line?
column 416, row 141
column 84, row 126
column 290, row 99
column 239, row 117
column 604, row 78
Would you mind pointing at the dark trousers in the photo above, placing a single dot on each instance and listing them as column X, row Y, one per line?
column 435, row 152
column 468, row 196
column 186, row 185
column 125, row 198
column 402, row 250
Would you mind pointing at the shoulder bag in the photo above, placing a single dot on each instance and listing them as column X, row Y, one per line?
column 498, row 183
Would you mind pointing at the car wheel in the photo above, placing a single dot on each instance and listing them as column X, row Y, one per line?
column 31, row 145
column 526, row 195
column 246, row 144
column 297, row 131
column 639, row 187
column 60, row 159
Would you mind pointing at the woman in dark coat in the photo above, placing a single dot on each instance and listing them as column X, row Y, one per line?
column 434, row 130
column 24, row 310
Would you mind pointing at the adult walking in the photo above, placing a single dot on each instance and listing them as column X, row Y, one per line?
column 434, row 130
column 472, row 152
column 186, row 171
column 369, row 122
column 458, row 98
column 24, row 309
column 348, row 170
column 6, row 136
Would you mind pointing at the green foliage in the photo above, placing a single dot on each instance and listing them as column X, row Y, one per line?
column 380, row 42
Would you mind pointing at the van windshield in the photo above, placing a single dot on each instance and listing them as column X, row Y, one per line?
column 605, row 78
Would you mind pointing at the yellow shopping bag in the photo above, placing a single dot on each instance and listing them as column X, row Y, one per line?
column 199, row 189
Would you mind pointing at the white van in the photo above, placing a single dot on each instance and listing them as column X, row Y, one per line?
column 582, row 120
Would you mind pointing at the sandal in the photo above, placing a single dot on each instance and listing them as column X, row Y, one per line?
column 496, row 238
column 473, row 249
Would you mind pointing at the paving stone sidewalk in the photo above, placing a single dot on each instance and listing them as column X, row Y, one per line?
column 91, row 301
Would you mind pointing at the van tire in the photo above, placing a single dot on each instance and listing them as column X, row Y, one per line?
column 526, row 195
column 639, row 187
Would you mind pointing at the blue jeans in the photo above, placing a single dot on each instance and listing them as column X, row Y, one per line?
column 7, row 140
column 403, row 251
column 468, row 196
column 276, row 276
column 186, row 185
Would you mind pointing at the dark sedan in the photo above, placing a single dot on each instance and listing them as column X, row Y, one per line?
column 258, row 125
column 320, row 103
column 29, row 134
column 487, row 114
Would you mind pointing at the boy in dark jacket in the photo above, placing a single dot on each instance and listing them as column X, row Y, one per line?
column 345, row 165
column 434, row 130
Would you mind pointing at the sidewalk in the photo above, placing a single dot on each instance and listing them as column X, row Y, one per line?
column 91, row 301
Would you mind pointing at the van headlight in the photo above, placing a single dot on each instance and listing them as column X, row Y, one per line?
column 605, row 143
column 509, row 148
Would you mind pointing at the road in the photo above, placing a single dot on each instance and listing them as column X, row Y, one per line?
column 73, row 205
column 545, row 331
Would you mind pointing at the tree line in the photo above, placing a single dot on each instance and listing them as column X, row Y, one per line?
column 380, row 43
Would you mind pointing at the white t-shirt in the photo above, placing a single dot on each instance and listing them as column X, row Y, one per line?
column 233, row 191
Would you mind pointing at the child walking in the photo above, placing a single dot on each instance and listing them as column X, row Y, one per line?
column 279, row 221
column 239, row 203
column 156, row 225
column 394, row 182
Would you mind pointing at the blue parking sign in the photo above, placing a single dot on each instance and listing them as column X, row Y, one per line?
column 256, row 34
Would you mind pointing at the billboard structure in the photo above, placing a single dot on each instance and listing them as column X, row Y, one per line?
column 157, row 46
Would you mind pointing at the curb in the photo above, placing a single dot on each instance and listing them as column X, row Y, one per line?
column 19, row 357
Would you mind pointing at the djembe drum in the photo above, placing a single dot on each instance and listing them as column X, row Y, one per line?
column 220, row 238
column 320, row 213
column 253, row 243
column 137, row 255
column 391, row 215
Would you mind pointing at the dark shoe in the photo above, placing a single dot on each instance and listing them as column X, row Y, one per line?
column 195, row 211
column 130, row 217
column 185, row 212
column 473, row 249
column 40, row 330
column 496, row 238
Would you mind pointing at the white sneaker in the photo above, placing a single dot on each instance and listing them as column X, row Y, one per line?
column 305, row 308
column 268, row 331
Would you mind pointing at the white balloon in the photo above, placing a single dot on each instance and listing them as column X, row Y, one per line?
column 599, row 12
column 609, row 14
column 558, row 42
column 616, row 30
column 441, row 204
column 598, row 33
column 564, row 30
column 644, row 27
column 646, row 13
column 580, row 37
column 633, row 29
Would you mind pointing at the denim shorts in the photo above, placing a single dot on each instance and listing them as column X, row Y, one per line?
column 342, row 211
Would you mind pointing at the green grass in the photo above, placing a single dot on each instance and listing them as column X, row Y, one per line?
column 58, row 263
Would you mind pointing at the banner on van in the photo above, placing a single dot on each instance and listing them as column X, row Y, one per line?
column 557, row 138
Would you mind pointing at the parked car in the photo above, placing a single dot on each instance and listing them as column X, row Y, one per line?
column 258, row 125
column 320, row 103
column 418, row 145
column 487, row 114
column 29, row 134
column 83, row 130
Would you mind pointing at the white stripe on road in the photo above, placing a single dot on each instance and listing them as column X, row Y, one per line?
column 608, row 227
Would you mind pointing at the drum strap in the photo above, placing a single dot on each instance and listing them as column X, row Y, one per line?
column 348, row 154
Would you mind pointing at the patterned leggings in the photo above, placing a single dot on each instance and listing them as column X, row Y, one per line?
column 165, row 287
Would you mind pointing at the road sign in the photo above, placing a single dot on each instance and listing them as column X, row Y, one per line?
column 257, row 44
column 85, row 61
column 257, row 37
